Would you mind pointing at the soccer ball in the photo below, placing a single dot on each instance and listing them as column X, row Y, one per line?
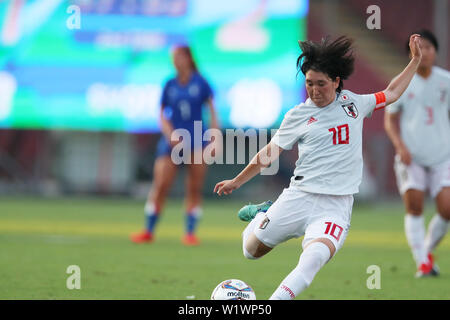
column 233, row 289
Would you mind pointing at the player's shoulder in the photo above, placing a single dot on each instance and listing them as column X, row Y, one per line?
column 347, row 96
column 298, row 111
column 198, row 77
column 170, row 81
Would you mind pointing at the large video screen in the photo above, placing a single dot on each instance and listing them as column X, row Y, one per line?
column 101, row 65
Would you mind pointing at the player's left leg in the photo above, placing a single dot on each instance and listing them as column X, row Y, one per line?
column 194, row 186
column 314, row 256
column 323, row 238
column 438, row 226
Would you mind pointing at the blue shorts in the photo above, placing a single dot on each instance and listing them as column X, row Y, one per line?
column 164, row 148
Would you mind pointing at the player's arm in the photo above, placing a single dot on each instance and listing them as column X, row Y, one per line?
column 261, row 160
column 392, row 128
column 399, row 84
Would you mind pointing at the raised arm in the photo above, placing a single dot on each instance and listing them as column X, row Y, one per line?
column 261, row 160
column 399, row 84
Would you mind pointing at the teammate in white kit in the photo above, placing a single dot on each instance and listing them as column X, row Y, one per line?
column 422, row 145
column 328, row 131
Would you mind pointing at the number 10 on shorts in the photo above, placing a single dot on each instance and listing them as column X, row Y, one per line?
column 331, row 230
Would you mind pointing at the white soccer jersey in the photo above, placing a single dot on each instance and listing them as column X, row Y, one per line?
column 424, row 118
column 329, row 142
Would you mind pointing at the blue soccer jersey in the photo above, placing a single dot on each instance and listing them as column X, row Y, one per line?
column 183, row 103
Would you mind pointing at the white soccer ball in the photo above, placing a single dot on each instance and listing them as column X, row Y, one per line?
column 233, row 289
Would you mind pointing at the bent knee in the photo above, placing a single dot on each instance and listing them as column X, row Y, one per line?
column 254, row 248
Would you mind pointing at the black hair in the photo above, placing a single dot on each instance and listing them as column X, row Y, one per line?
column 335, row 58
column 425, row 34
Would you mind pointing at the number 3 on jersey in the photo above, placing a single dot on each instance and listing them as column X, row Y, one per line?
column 339, row 133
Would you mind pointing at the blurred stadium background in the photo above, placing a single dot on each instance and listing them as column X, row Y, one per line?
column 79, row 106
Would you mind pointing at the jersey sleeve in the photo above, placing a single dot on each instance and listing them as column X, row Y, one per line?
column 371, row 102
column 288, row 133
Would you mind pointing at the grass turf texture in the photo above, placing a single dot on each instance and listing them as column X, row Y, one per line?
column 40, row 238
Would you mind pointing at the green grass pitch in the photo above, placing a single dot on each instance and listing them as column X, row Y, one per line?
column 40, row 238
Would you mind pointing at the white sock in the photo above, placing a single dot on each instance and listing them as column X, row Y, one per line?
column 415, row 234
column 436, row 231
column 246, row 233
column 311, row 261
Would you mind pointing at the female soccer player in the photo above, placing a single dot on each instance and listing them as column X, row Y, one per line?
column 422, row 145
column 328, row 130
column 182, row 102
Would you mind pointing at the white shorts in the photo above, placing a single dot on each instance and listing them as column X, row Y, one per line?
column 296, row 213
column 422, row 178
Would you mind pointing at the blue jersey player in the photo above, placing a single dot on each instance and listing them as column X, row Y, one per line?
column 182, row 101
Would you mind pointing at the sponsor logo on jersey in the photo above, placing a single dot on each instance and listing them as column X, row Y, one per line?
column 194, row 90
column 311, row 120
column 264, row 223
column 351, row 110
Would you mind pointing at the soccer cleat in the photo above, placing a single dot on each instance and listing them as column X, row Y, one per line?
column 424, row 270
column 249, row 211
column 142, row 237
column 190, row 239
column 429, row 269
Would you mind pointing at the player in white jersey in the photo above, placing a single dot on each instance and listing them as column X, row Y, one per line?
column 328, row 131
column 418, row 125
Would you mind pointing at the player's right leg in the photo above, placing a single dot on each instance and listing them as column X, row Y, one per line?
column 248, row 212
column 438, row 226
column 252, row 247
column 268, row 226
column 164, row 173
column 415, row 229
